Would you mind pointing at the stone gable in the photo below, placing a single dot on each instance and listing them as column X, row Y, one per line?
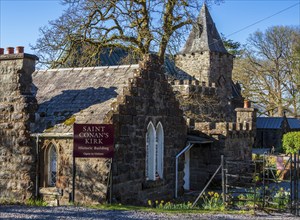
column 148, row 97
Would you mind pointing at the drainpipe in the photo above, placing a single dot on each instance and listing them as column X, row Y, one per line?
column 176, row 171
column 37, row 167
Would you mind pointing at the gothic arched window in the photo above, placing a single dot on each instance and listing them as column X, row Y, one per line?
column 159, row 150
column 150, row 152
column 154, row 151
column 52, row 165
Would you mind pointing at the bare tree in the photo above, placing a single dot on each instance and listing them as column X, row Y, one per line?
column 269, row 70
column 89, row 26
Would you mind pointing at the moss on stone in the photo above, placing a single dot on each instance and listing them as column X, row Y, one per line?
column 70, row 121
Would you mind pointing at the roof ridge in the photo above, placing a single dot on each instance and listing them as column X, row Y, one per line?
column 91, row 68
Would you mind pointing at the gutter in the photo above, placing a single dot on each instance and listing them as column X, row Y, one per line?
column 52, row 135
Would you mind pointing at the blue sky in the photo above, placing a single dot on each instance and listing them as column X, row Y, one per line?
column 20, row 20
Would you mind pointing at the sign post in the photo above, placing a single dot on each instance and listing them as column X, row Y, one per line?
column 91, row 141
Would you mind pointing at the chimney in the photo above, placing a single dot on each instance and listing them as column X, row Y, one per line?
column 10, row 50
column 1, row 51
column 23, row 66
column 247, row 104
column 20, row 49
column 246, row 115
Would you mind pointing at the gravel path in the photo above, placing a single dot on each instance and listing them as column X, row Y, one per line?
column 81, row 213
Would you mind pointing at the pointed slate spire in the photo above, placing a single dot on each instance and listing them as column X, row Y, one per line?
column 204, row 35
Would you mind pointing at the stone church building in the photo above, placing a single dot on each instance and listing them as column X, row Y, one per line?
column 170, row 129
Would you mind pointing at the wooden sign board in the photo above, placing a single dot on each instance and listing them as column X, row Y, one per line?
column 93, row 140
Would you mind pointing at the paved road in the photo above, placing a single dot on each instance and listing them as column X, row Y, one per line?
column 81, row 213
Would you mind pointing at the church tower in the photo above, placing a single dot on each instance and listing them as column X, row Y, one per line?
column 204, row 56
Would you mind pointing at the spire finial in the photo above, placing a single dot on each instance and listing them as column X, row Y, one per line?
column 204, row 35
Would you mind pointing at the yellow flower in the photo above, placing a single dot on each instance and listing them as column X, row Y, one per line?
column 162, row 202
column 149, row 202
column 211, row 193
column 156, row 202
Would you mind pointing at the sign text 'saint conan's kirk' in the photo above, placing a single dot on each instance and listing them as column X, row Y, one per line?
column 93, row 140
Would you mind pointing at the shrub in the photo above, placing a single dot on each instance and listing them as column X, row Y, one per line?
column 291, row 142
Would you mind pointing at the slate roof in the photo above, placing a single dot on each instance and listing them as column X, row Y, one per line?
column 115, row 56
column 112, row 57
column 84, row 94
column 194, row 139
column 204, row 35
column 275, row 123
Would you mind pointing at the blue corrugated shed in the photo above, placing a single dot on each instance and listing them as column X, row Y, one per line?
column 275, row 123
column 294, row 123
column 269, row 122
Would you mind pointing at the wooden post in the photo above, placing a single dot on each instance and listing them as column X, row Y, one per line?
column 264, row 187
column 73, row 180
column 110, row 190
column 223, row 179
column 291, row 182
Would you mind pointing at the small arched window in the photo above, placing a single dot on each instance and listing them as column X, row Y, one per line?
column 150, row 152
column 159, row 150
column 52, row 165
column 154, row 151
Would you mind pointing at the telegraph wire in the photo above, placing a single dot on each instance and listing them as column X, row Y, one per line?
column 266, row 18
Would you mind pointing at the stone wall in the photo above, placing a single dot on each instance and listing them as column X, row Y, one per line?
column 209, row 67
column 234, row 140
column 91, row 175
column 149, row 97
column 17, row 107
column 196, row 65
column 201, row 102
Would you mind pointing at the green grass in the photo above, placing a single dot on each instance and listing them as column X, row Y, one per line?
column 29, row 202
column 121, row 207
column 36, row 202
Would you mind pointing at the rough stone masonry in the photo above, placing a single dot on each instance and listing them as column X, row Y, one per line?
column 17, row 107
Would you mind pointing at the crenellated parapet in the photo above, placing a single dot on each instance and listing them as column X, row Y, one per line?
column 225, row 129
column 194, row 87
